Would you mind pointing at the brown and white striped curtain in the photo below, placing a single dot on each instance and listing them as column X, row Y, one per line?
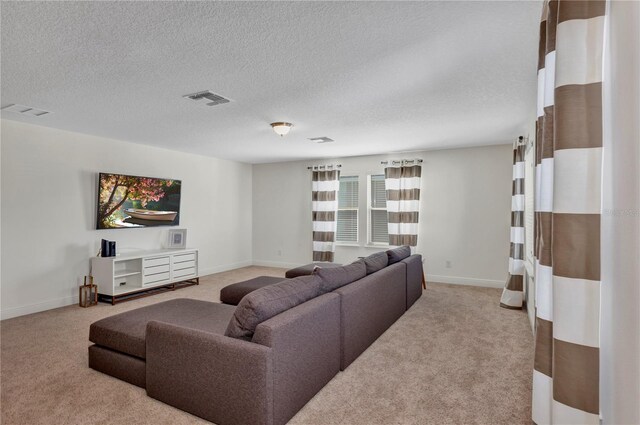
column 324, row 206
column 403, row 203
column 567, row 218
column 512, row 294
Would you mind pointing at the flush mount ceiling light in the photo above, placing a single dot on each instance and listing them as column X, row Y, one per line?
column 281, row 128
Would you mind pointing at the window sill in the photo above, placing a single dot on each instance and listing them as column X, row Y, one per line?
column 357, row 245
column 377, row 246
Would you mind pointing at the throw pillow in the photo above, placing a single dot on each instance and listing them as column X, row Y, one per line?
column 336, row 277
column 375, row 262
column 398, row 254
column 267, row 302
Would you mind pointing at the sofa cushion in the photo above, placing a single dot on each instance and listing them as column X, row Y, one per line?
column 398, row 254
column 336, row 277
column 269, row 301
column 125, row 332
column 375, row 262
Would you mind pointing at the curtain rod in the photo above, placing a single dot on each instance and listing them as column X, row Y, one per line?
column 324, row 167
column 522, row 141
column 403, row 161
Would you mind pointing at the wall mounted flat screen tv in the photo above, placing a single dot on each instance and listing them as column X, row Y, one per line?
column 134, row 201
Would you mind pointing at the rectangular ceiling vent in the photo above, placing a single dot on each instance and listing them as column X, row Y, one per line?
column 321, row 139
column 25, row 110
column 208, row 97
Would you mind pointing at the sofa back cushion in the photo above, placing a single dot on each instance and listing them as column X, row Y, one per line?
column 267, row 302
column 398, row 254
column 336, row 277
column 375, row 262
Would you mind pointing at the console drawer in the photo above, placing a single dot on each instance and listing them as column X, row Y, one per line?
column 157, row 261
column 184, row 265
column 148, row 270
column 182, row 273
column 181, row 258
column 156, row 278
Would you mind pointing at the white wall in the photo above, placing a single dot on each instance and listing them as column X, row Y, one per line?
column 49, row 180
column 464, row 217
column 620, row 289
column 231, row 210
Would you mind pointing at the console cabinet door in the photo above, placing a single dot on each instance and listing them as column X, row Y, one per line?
column 184, row 265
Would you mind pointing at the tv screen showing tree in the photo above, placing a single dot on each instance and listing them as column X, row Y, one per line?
column 134, row 201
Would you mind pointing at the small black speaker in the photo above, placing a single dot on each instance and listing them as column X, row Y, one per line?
column 112, row 248
column 104, row 248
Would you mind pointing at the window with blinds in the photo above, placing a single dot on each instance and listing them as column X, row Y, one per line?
column 348, row 210
column 378, row 231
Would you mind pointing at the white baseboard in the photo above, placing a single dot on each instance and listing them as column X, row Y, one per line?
column 487, row 283
column 225, row 267
column 9, row 313
column 277, row 264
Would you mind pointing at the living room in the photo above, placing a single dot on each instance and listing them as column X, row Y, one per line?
column 448, row 87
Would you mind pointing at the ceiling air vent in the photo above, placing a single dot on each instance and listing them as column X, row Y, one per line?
column 210, row 98
column 25, row 110
column 321, row 139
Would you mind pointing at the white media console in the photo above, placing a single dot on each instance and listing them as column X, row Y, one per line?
column 143, row 273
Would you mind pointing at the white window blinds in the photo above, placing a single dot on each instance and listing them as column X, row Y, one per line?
column 378, row 230
column 348, row 209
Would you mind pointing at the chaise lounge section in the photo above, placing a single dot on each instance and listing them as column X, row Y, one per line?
column 262, row 361
column 120, row 341
column 267, row 380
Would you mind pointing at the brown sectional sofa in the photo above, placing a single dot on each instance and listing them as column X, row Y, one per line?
column 181, row 351
column 120, row 341
column 232, row 381
column 368, row 307
column 415, row 278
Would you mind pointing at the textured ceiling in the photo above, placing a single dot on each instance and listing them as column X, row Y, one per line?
column 375, row 76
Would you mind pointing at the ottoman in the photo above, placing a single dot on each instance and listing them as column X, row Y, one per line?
column 307, row 269
column 232, row 294
column 120, row 346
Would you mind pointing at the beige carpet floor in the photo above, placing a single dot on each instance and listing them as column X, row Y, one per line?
column 454, row 358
